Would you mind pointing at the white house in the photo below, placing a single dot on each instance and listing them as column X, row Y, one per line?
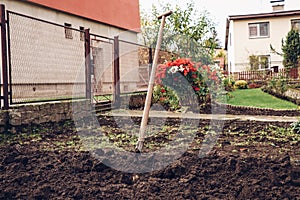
column 248, row 38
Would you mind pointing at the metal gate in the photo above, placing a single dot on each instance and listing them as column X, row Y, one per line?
column 102, row 62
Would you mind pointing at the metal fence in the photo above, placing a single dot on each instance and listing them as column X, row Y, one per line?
column 134, row 71
column 102, row 59
column 45, row 60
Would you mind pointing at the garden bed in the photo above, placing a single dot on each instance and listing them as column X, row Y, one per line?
column 250, row 160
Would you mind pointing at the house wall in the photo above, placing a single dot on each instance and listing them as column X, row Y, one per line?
column 243, row 46
column 231, row 48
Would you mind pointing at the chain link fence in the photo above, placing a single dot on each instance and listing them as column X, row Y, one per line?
column 102, row 58
column 46, row 60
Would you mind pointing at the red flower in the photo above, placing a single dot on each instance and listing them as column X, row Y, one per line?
column 194, row 76
column 162, row 98
column 162, row 90
column 196, row 88
column 185, row 72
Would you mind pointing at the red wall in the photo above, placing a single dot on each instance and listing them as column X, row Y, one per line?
column 120, row 13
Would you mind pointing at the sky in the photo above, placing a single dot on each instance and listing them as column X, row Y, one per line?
column 220, row 9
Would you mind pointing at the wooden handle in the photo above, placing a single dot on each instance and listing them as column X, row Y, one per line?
column 165, row 14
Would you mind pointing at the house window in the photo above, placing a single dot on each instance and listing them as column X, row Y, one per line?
column 68, row 31
column 259, row 62
column 264, row 62
column 296, row 24
column 81, row 33
column 257, row 30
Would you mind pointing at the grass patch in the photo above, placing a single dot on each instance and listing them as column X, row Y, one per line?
column 258, row 98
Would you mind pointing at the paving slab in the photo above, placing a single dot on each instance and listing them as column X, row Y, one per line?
column 189, row 115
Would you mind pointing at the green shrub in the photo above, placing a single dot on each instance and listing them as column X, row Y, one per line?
column 229, row 84
column 241, row 84
column 166, row 97
column 278, row 84
column 296, row 127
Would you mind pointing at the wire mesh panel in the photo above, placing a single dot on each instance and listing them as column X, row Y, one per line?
column 134, row 67
column 46, row 60
column 102, row 61
column 145, row 62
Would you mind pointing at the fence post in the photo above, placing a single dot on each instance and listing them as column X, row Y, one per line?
column 150, row 61
column 4, row 57
column 87, row 45
column 116, row 85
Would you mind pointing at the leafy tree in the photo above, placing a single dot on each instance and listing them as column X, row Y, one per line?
column 187, row 31
column 291, row 49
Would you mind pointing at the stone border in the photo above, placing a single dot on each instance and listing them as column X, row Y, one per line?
column 38, row 113
column 245, row 110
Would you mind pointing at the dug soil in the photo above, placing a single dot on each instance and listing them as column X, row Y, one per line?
column 47, row 162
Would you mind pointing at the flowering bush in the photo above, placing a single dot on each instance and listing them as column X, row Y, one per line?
column 193, row 83
column 253, row 85
column 166, row 97
column 241, row 84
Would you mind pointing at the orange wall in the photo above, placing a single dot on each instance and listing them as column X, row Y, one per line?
column 120, row 13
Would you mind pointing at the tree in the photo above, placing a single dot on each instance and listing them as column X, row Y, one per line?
column 188, row 32
column 291, row 49
column 254, row 62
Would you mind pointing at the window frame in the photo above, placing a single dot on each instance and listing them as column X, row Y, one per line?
column 256, row 62
column 258, row 25
column 295, row 21
column 68, row 31
column 82, row 34
column 260, row 62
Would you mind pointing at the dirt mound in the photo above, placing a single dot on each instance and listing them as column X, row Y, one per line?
column 29, row 170
column 34, row 174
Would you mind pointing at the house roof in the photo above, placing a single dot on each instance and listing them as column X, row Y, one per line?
column 264, row 15
column 257, row 16
column 119, row 13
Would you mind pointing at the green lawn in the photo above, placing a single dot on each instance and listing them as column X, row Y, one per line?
column 258, row 98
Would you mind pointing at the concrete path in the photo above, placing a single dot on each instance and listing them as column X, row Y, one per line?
column 227, row 117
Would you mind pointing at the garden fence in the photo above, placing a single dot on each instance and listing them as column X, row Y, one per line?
column 44, row 61
column 267, row 74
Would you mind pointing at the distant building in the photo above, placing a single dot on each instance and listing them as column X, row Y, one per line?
column 248, row 38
